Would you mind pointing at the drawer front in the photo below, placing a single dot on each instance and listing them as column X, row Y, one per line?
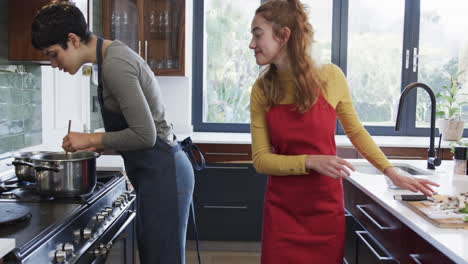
column 229, row 183
column 382, row 225
column 229, row 223
column 226, row 152
column 352, row 226
column 229, row 203
column 369, row 251
column 419, row 251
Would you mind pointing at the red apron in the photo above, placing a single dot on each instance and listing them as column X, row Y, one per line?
column 303, row 216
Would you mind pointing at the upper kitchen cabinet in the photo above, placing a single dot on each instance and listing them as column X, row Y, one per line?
column 155, row 29
column 20, row 17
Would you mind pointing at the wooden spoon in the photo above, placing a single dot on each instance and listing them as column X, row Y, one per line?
column 69, row 126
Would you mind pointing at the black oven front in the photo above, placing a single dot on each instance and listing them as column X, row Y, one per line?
column 117, row 245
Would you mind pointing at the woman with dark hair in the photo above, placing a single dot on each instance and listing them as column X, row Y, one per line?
column 294, row 105
column 136, row 125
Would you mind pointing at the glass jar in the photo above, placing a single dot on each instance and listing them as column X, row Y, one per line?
column 461, row 160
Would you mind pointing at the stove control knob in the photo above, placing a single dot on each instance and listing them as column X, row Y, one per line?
column 60, row 256
column 77, row 234
column 68, row 248
column 109, row 209
column 101, row 250
column 100, row 218
column 124, row 197
column 117, row 203
column 87, row 233
column 104, row 213
column 96, row 252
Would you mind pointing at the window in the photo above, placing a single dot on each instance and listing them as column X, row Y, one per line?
column 375, row 37
column 224, row 66
column 443, row 50
column 382, row 46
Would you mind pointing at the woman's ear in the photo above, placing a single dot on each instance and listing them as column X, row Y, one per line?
column 74, row 39
column 285, row 34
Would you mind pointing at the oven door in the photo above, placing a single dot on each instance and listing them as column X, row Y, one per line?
column 118, row 244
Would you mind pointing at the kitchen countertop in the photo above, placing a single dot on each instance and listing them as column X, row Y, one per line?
column 341, row 140
column 452, row 242
column 6, row 245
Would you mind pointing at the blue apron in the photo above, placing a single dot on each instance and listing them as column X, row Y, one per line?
column 163, row 179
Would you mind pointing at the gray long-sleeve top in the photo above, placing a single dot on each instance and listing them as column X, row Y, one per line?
column 130, row 88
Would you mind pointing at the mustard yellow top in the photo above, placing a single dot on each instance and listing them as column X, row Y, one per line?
column 338, row 96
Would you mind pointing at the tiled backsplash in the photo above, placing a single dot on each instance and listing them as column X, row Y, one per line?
column 20, row 107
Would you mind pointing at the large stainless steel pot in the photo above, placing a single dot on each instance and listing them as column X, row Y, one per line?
column 65, row 175
column 24, row 168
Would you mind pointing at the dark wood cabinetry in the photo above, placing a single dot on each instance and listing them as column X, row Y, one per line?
column 155, row 29
column 20, row 17
column 385, row 239
column 229, row 201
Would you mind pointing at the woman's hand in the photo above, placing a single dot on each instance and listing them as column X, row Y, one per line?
column 410, row 183
column 329, row 165
column 75, row 141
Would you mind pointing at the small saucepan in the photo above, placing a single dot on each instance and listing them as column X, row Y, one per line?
column 24, row 168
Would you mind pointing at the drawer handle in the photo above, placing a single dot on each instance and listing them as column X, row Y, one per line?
column 243, row 207
column 229, row 168
column 361, row 208
column 360, row 235
column 404, row 157
column 226, row 153
column 415, row 258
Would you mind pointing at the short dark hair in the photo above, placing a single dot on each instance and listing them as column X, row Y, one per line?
column 54, row 22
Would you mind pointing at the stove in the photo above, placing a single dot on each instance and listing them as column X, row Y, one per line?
column 90, row 228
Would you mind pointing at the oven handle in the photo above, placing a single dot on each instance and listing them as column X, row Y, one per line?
column 122, row 228
column 109, row 245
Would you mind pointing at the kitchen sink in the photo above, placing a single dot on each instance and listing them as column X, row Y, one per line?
column 404, row 169
column 367, row 168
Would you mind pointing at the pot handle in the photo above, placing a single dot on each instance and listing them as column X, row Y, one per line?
column 46, row 168
column 19, row 162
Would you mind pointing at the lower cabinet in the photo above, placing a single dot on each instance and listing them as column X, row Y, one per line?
column 228, row 201
column 379, row 237
column 352, row 226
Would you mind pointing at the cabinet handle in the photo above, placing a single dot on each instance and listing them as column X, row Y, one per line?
column 229, row 168
column 146, row 51
column 226, row 153
column 139, row 48
column 361, row 208
column 244, row 207
column 404, row 157
column 360, row 235
column 415, row 59
column 407, row 59
column 345, row 261
column 415, row 258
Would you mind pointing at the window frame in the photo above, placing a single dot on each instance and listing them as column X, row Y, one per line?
column 339, row 49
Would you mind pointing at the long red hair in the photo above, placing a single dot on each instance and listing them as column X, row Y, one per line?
column 292, row 14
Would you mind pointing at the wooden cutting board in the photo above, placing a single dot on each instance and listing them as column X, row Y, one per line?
column 418, row 207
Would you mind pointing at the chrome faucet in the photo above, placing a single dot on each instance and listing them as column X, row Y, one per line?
column 432, row 159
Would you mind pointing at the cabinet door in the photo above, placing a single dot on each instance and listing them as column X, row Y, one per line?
column 121, row 22
column 352, row 226
column 229, row 201
column 164, row 36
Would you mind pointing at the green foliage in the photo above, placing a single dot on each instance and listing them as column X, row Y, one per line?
column 230, row 64
column 448, row 101
column 459, row 143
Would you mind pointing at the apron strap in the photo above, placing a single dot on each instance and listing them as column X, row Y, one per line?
column 188, row 147
column 99, row 63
